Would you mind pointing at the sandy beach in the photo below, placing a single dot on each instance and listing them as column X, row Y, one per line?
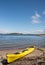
column 31, row 59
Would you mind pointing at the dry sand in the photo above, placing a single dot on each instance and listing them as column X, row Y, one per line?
column 37, row 57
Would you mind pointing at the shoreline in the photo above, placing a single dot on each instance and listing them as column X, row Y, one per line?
column 18, row 47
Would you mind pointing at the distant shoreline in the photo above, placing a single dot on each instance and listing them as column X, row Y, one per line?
column 42, row 34
column 23, row 34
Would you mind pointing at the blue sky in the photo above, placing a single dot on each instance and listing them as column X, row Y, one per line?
column 24, row 16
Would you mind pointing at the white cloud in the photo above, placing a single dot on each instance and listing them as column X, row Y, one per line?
column 4, row 31
column 37, row 32
column 43, row 12
column 36, row 18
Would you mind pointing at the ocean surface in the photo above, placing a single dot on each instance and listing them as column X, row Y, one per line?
column 13, row 41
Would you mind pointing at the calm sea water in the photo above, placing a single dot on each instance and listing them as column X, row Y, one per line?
column 11, row 41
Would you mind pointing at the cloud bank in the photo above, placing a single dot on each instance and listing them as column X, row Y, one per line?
column 38, row 32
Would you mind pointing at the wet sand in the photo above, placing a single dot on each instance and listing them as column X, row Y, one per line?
column 37, row 57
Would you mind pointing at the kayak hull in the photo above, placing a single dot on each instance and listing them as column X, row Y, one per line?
column 13, row 57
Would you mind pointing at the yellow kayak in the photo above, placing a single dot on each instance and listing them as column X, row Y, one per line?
column 13, row 57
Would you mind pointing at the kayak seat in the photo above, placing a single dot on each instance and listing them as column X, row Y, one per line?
column 17, row 53
column 25, row 50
